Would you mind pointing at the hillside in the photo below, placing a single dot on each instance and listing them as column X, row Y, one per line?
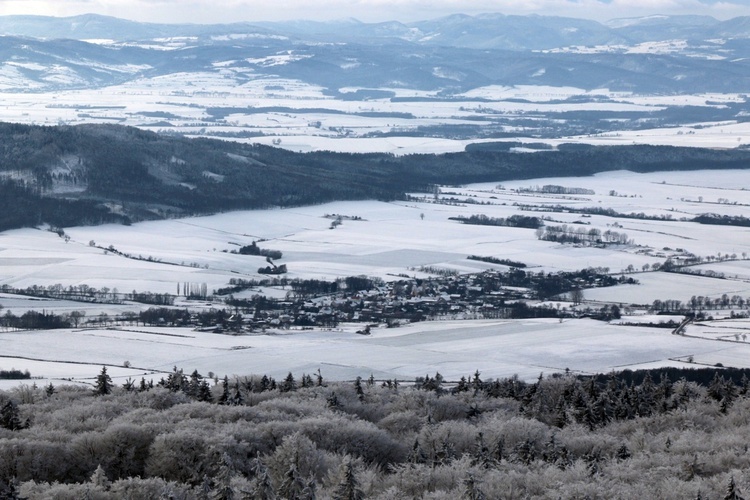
column 100, row 173
column 627, row 435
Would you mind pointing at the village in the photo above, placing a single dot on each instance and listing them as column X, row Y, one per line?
column 491, row 294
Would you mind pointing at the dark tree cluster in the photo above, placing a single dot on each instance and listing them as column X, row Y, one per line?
column 512, row 221
column 495, row 260
column 254, row 249
column 723, row 220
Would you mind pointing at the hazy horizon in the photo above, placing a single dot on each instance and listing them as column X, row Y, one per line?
column 230, row 11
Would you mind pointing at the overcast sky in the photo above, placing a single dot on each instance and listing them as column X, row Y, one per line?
column 226, row 11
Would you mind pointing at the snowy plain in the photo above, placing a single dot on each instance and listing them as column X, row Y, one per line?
column 390, row 241
column 268, row 109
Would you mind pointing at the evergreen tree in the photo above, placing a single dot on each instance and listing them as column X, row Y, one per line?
column 561, row 414
column 476, row 382
column 482, row 456
column 446, row 454
column 237, row 398
column 99, row 479
column 733, row 493
column 348, row 489
column 193, row 384
column 462, row 386
column 103, row 385
column 716, row 387
column 262, row 485
column 293, row 486
column 204, row 392
column 332, row 401
column 416, row 455
column 10, row 417
column 358, row 389
column 289, row 384
column 471, row 489
column 224, row 398
column 223, row 479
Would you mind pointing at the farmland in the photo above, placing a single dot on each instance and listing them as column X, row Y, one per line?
column 392, row 241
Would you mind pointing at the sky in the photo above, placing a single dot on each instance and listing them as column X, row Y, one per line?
column 227, row 11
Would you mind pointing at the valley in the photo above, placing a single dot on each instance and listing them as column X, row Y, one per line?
column 406, row 244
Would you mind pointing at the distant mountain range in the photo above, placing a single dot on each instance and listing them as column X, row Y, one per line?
column 488, row 31
column 662, row 54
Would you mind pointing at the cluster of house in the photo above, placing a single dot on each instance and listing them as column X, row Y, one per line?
column 472, row 296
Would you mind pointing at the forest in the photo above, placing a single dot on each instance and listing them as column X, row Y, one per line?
column 669, row 433
column 73, row 175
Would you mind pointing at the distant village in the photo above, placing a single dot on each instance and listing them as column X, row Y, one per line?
column 512, row 293
column 487, row 295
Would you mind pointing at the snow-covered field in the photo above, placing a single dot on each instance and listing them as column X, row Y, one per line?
column 400, row 237
column 269, row 109
column 392, row 239
column 495, row 348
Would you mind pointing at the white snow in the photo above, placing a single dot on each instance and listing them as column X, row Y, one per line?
column 393, row 239
column 495, row 348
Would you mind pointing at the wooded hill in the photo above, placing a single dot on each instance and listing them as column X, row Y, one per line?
column 667, row 434
column 89, row 174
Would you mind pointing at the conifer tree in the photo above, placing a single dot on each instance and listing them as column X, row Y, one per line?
column 193, row 384
column 733, row 493
column 472, row 491
column 224, row 398
column 623, row 453
column 237, row 398
column 103, row 385
column 289, row 384
column 476, row 382
column 99, row 479
column 204, row 392
column 482, row 456
column 416, row 455
column 10, row 417
column 224, row 490
column 293, row 485
column 358, row 389
column 262, row 485
column 348, row 489
column 332, row 401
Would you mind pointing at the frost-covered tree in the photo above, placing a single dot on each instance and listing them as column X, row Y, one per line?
column 733, row 493
column 348, row 487
column 262, row 487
